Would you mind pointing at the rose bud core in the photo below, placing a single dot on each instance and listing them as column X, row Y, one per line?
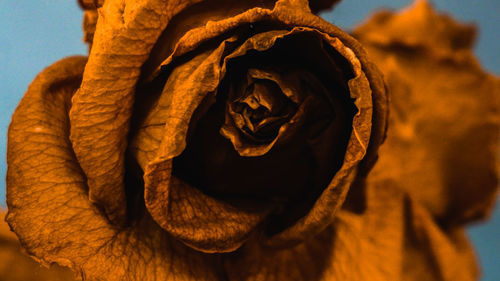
column 258, row 125
column 276, row 131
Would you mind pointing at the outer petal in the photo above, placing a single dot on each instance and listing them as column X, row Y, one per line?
column 48, row 201
column 125, row 33
column 442, row 146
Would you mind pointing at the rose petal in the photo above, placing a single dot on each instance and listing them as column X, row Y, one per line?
column 205, row 10
column 198, row 220
column 288, row 82
column 166, row 124
column 102, row 106
column 48, row 201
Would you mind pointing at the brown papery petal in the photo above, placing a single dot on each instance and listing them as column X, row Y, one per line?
column 166, row 124
column 288, row 82
column 204, row 14
column 48, row 201
column 125, row 33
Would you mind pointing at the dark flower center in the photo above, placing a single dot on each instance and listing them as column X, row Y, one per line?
column 276, row 131
column 261, row 111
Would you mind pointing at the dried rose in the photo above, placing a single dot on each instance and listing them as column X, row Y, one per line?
column 219, row 98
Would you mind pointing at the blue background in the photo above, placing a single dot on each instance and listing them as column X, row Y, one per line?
column 34, row 34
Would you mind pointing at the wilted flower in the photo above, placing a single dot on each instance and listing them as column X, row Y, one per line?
column 214, row 140
column 250, row 127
